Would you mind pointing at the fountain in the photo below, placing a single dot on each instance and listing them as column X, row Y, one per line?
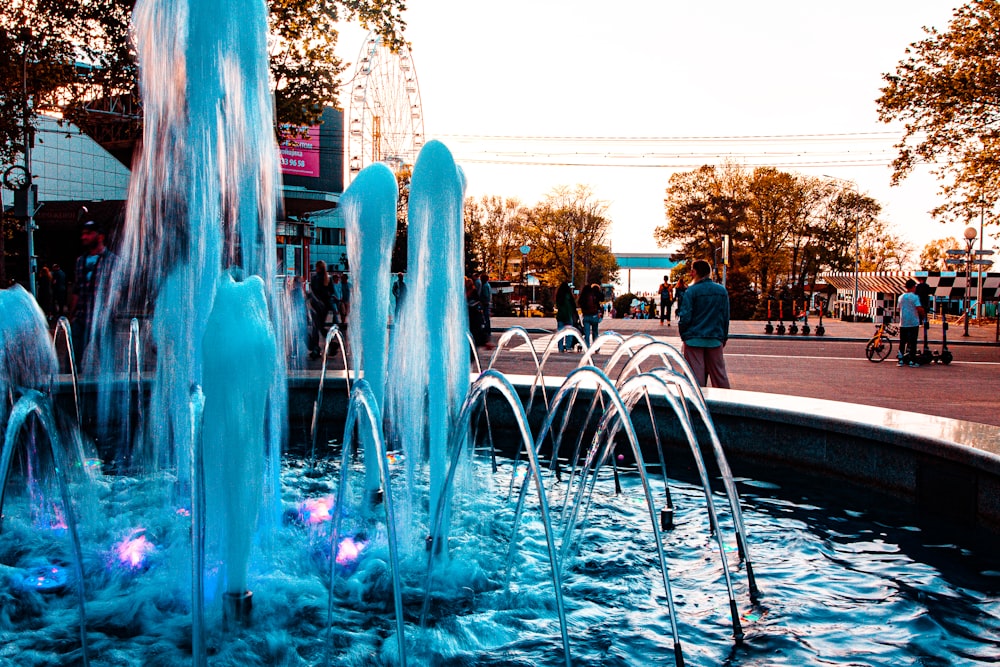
column 412, row 539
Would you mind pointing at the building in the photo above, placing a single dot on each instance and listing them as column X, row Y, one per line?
column 73, row 169
column 879, row 290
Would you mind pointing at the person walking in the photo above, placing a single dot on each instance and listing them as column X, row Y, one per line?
column 565, row 311
column 486, row 302
column 399, row 292
column 44, row 291
column 679, row 288
column 319, row 306
column 93, row 270
column 666, row 299
column 59, row 291
column 337, row 299
column 590, row 307
column 703, row 323
column 911, row 314
column 474, row 306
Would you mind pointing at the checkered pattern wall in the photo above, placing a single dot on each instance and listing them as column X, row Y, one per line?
column 946, row 285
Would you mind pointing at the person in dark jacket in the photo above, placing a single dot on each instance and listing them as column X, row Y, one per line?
column 320, row 287
column 566, row 314
column 590, row 308
column 703, row 323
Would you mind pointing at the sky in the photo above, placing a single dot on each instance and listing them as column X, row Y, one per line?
column 534, row 94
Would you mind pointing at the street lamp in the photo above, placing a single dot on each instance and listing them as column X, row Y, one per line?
column 970, row 241
column 572, row 259
column 857, row 266
column 525, row 249
column 979, row 266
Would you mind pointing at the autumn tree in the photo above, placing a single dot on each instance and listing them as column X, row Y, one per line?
column 785, row 228
column 57, row 55
column 495, row 230
column 772, row 207
column 810, row 232
column 702, row 206
column 568, row 235
column 947, row 93
column 882, row 249
column 932, row 257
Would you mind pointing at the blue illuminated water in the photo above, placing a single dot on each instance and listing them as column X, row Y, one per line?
column 840, row 584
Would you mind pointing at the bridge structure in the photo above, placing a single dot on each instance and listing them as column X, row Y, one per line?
column 646, row 261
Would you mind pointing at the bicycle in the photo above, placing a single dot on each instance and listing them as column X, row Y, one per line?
column 880, row 344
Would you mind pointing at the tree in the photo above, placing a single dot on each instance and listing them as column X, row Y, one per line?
column 494, row 230
column 304, row 66
column 568, row 233
column 932, row 257
column 947, row 92
column 772, row 210
column 37, row 56
column 76, row 52
column 785, row 228
column 701, row 207
column 882, row 249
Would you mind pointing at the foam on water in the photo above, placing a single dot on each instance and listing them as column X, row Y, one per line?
column 903, row 596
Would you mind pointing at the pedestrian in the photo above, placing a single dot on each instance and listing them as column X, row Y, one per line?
column 43, row 291
column 345, row 299
column 590, row 308
column 59, row 291
column 320, row 286
column 679, row 288
column 666, row 299
column 93, row 271
column 336, row 298
column 703, row 323
column 399, row 292
column 911, row 314
column 486, row 302
column 475, row 309
column 923, row 292
column 565, row 311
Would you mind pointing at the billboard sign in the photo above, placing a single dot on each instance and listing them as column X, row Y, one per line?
column 299, row 151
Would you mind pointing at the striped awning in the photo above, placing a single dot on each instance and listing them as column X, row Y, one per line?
column 946, row 285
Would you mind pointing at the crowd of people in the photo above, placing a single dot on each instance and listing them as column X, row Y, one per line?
column 702, row 306
column 329, row 295
column 58, row 297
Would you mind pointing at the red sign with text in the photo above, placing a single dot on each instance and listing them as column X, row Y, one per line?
column 299, row 151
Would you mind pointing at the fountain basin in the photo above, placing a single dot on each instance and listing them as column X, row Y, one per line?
column 832, row 558
column 947, row 467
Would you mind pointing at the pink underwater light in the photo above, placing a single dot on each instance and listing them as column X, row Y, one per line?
column 316, row 510
column 133, row 550
column 348, row 551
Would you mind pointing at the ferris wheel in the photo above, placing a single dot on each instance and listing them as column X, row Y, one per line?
column 386, row 120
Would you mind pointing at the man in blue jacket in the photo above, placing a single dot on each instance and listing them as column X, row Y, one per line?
column 703, row 322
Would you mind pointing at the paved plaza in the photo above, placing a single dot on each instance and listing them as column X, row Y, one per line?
column 830, row 367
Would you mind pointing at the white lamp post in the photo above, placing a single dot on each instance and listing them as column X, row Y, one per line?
column 970, row 241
